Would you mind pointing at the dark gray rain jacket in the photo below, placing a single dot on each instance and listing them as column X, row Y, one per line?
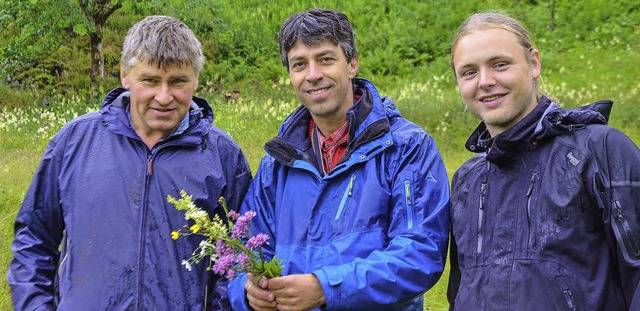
column 546, row 216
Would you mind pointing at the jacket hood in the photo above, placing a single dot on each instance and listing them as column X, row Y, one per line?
column 545, row 122
column 117, row 100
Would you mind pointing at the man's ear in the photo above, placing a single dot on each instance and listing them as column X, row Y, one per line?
column 123, row 78
column 536, row 67
column 353, row 67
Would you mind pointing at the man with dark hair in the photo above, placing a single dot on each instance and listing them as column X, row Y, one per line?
column 354, row 196
column 93, row 232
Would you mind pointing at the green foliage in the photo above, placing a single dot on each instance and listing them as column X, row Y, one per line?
column 589, row 49
column 394, row 38
column 34, row 31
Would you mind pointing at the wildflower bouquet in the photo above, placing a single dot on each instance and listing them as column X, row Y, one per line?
column 223, row 243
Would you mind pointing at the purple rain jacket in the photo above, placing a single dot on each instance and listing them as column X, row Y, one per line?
column 94, row 230
column 374, row 230
column 546, row 216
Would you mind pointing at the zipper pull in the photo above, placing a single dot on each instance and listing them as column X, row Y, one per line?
column 149, row 166
column 616, row 207
column 407, row 191
column 533, row 181
column 351, row 185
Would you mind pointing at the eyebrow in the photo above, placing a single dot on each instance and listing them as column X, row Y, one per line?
column 144, row 75
column 490, row 60
column 319, row 54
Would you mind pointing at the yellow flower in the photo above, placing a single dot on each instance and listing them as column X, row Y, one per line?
column 195, row 228
column 175, row 235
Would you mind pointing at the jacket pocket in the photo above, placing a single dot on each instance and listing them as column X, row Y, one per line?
column 627, row 238
column 568, row 296
column 347, row 193
column 480, row 232
column 530, row 238
column 408, row 203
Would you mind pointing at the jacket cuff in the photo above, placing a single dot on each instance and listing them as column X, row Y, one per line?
column 237, row 294
column 328, row 282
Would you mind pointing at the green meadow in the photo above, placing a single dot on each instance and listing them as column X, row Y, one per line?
column 587, row 54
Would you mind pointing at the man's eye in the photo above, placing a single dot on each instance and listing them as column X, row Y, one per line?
column 500, row 65
column 326, row 59
column 469, row 73
column 297, row 65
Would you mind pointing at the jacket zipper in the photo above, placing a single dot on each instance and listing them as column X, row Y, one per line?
column 408, row 202
column 568, row 296
column 143, row 207
column 530, row 241
column 483, row 190
column 143, row 213
column 347, row 193
column 626, row 235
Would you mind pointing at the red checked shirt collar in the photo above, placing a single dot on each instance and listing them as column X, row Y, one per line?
column 333, row 147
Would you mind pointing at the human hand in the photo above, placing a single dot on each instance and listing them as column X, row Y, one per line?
column 297, row 292
column 260, row 299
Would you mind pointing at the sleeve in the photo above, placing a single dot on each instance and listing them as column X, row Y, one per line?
column 454, row 273
column 414, row 258
column 38, row 232
column 617, row 184
column 239, row 179
column 259, row 199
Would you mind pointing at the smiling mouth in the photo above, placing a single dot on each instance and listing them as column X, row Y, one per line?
column 163, row 109
column 318, row 91
column 490, row 98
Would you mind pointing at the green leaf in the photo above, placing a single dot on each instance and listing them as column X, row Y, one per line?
column 80, row 29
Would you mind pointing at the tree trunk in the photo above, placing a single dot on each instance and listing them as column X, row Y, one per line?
column 97, row 57
column 98, row 13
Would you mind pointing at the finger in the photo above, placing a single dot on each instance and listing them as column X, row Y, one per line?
column 263, row 282
column 261, row 304
column 276, row 283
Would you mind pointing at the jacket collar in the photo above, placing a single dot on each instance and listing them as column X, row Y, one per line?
column 116, row 119
column 546, row 121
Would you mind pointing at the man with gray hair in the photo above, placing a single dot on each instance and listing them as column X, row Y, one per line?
column 93, row 232
column 354, row 196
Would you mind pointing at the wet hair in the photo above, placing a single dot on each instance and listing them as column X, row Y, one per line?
column 493, row 20
column 312, row 27
column 161, row 41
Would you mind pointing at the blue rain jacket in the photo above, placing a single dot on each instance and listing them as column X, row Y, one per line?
column 94, row 230
column 374, row 230
column 546, row 216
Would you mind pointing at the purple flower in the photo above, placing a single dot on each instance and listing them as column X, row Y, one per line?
column 231, row 274
column 257, row 241
column 223, row 264
column 242, row 259
column 241, row 227
column 233, row 215
column 222, row 249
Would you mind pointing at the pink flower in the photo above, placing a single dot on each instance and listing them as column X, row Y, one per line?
column 257, row 241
